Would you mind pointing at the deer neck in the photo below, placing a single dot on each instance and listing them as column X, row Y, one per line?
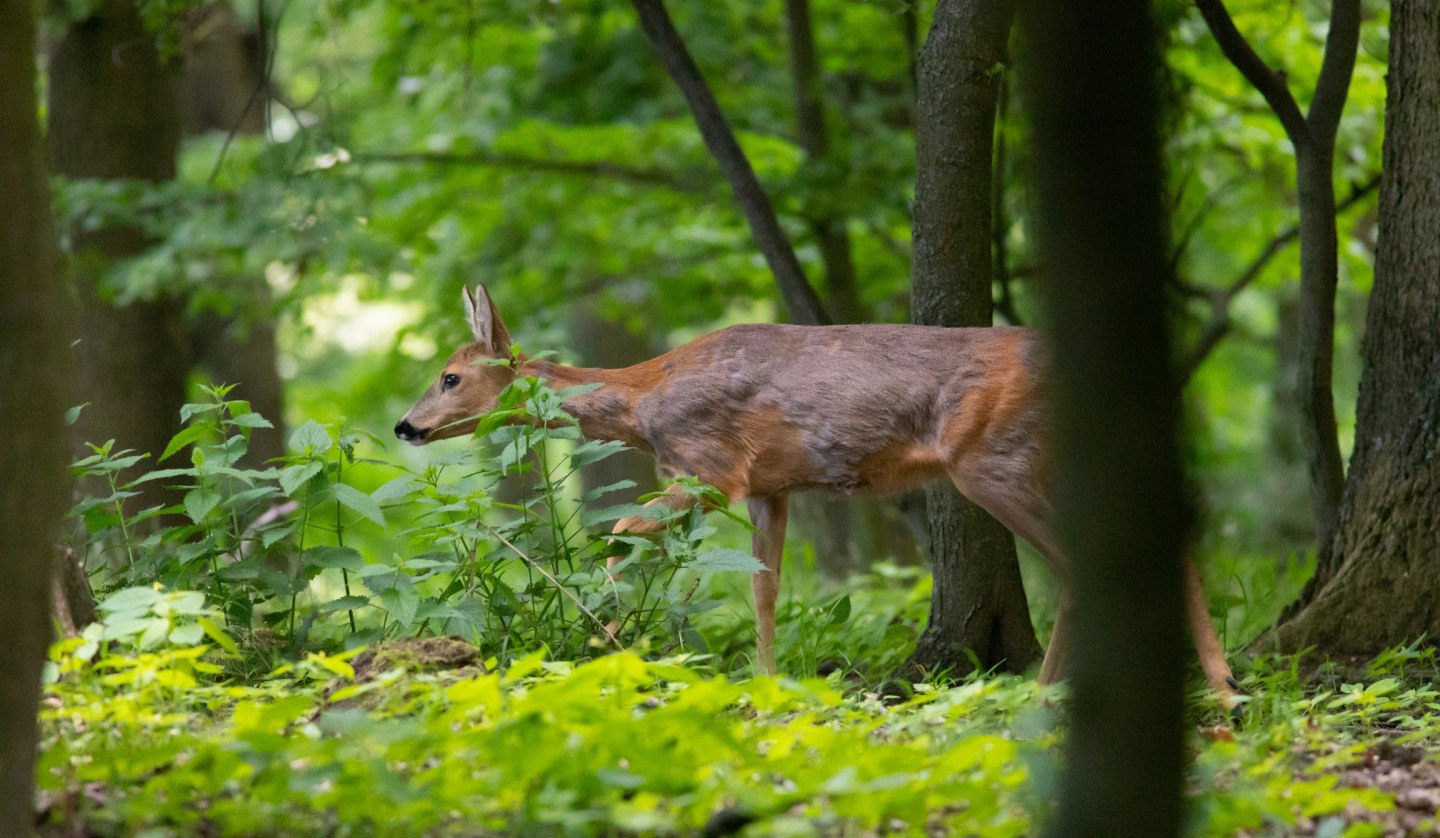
column 605, row 413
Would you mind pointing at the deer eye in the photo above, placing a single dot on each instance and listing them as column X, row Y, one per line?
column 449, row 380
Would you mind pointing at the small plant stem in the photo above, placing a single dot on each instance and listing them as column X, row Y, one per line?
column 340, row 536
column 609, row 635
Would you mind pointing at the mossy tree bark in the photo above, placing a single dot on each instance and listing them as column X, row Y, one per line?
column 1383, row 590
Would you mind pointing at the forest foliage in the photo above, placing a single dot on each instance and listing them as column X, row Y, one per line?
column 271, row 653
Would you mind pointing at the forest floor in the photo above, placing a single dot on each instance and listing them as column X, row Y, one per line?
column 420, row 738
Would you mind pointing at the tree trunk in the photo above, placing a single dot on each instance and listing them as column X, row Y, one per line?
column 829, row 231
column 35, row 389
column 225, row 87
column 241, row 350
column 1313, row 136
column 978, row 606
column 1383, row 589
column 1120, row 506
column 602, row 342
column 114, row 114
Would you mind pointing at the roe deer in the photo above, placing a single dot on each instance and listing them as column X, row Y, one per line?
column 761, row 411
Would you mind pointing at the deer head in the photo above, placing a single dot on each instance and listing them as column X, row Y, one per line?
column 469, row 385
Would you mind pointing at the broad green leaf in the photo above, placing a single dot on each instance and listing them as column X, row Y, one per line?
column 401, row 601
column 187, row 435
column 293, row 477
column 357, row 501
column 199, row 502
column 311, row 438
column 251, row 420
column 344, row 603
column 727, row 560
column 187, row 635
column 330, row 556
column 129, row 599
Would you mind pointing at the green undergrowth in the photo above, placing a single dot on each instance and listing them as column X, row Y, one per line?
column 333, row 644
column 427, row 740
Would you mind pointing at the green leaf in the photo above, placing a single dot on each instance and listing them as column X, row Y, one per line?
column 357, row 501
column 251, row 420
column 401, row 601
column 345, row 603
column 293, row 477
column 130, row 599
column 200, row 502
column 218, row 635
column 330, row 556
column 73, row 414
column 594, row 451
column 188, row 435
column 727, row 560
column 162, row 474
column 311, row 438
column 187, row 635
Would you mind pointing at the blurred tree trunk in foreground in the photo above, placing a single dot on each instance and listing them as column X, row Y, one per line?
column 35, row 386
column 1120, row 502
column 114, row 114
column 1384, row 587
column 977, row 606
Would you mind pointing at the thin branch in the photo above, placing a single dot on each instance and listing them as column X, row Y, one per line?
column 678, row 181
column 1341, row 46
column 1271, row 83
column 1218, row 325
column 800, row 298
column 605, row 627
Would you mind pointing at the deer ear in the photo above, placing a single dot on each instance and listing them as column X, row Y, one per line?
column 485, row 322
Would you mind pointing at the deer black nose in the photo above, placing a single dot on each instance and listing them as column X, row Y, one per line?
column 407, row 431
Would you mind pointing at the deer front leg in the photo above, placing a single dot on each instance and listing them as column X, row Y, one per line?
column 768, row 515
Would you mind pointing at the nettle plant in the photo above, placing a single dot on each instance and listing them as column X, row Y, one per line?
column 274, row 547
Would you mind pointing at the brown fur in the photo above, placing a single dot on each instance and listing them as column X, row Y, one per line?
column 762, row 411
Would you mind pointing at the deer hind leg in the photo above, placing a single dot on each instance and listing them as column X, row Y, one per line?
column 1207, row 642
column 769, row 515
column 1025, row 511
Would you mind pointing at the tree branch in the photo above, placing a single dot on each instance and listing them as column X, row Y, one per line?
column 1219, row 323
column 1341, row 45
column 1271, row 83
column 800, row 299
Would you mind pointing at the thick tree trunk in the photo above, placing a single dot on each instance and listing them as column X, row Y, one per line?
column 1120, row 505
column 978, row 604
column 242, row 351
column 35, row 386
column 1383, row 590
column 113, row 114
